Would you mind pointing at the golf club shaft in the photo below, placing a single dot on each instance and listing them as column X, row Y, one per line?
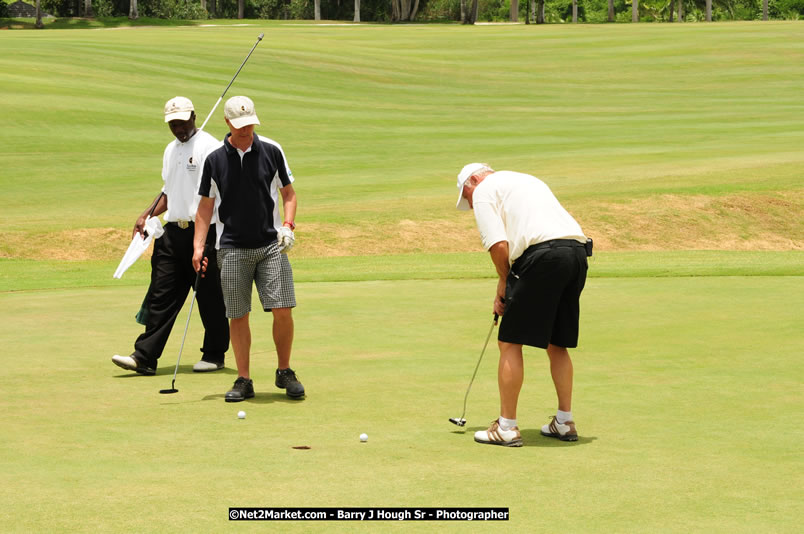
column 259, row 38
column 186, row 325
column 465, row 397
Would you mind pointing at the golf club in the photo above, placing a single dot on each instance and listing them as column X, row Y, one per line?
column 259, row 38
column 461, row 421
column 187, row 324
column 172, row 388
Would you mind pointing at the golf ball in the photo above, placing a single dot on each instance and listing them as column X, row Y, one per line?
column 363, row 437
column 241, row 414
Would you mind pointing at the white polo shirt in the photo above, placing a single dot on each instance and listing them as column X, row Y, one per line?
column 521, row 209
column 182, row 164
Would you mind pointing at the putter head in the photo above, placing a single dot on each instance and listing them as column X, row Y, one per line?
column 168, row 391
column 457, row 421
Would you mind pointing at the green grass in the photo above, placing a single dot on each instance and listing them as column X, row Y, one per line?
column 22, row 275
column 376, row 120
column 664, row 140
column 687, row 389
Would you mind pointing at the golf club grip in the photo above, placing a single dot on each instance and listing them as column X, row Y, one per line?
column 198, row 277
column 150, row 214
column 496, row 317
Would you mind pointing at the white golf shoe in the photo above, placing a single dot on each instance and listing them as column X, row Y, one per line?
column 202, row 366
column 563, row 431
column 130, row 363
column 497, row 436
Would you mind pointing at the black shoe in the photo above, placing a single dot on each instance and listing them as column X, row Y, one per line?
column 131, row 363
column 243, row 389
column 286, row 379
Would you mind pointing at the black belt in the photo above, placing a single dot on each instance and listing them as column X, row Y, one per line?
column 554, row 243
column 181, row 224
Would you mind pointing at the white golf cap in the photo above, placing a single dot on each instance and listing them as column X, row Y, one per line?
column 178, row 108
column 466, row 172
column 240, row 111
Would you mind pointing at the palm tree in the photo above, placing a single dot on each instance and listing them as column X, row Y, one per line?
column 241, row 8
column 88, row 9
column 514, row 10
column 611, row 10
column 574, row 11
column 405, row 10
column 357, row 11
column 317, row 9
column 635, row 11
column 39, row 25
column 709, row 10
column 469, row 16
column 133, row 14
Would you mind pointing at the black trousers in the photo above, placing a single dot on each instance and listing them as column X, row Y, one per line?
column 172, row 278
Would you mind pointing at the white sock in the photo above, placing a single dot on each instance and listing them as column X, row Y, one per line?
column 506, row 424
column 563, row 417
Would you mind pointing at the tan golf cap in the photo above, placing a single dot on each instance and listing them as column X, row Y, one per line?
column 178, row 109
column 466, row 172
column 240, row 111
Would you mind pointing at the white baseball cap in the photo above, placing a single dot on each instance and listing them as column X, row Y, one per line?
column 466, row 172
column 240, row 111
column 178, row 108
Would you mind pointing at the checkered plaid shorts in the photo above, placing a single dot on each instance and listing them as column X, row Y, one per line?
column 266, row 267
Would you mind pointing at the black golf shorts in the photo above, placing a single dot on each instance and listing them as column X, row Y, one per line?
column 542, row 295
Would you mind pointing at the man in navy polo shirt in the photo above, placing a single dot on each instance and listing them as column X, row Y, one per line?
column 240, row 184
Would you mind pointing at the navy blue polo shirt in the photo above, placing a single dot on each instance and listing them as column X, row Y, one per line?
column 246, row 192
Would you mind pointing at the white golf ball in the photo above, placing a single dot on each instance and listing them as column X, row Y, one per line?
column 241, row 414
column 364, row 437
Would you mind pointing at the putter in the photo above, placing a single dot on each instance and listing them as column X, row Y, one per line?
column 187, row 324
column 461, row 421
column 259, row 38
column 172, row 388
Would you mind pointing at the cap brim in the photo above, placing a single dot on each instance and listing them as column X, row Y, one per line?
column 240, row 122
column 178, row 116
column 462, row 204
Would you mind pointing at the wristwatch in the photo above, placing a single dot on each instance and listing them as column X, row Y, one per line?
column 291, row 224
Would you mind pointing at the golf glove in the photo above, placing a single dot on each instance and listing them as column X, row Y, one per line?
column 285, row 239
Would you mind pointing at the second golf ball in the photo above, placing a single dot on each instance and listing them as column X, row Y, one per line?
column 241, row 414
column 364, row 437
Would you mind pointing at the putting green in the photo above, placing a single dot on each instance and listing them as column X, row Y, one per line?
column 685, row 390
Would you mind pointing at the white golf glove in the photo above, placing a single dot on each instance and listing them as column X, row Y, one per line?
column 285, row 239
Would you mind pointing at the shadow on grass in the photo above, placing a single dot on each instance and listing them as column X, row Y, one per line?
column 259, row 398
column 76, row 23
column 534, row 438
column 183, row 370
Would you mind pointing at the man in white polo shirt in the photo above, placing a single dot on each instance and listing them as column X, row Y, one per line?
column 172, row 272
column 539, row 252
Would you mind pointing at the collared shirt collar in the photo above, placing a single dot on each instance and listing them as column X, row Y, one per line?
column 255, row 146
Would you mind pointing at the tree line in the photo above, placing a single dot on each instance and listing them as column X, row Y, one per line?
column 465, row 11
